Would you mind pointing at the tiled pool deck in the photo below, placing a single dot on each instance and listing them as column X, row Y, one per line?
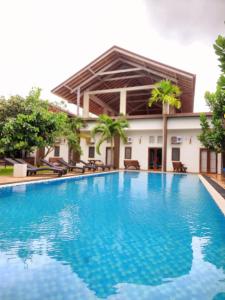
column 4, row 180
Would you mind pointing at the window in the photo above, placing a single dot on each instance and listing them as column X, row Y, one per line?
column 175, row 154
column 127, row 154
column 57, row 151
column 152, row 139
column 91, row 152
column 159, row 139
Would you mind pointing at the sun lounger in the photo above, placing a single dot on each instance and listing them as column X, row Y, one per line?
column 32, row 170
column 130, row 163
column 179, row 167
column 46, row 163
column 70, row 167
column 100, row 165
column 86, row 165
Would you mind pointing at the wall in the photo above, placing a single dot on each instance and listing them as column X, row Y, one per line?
column 188, row 128
column 64, row 151
column 189, row 149
column 140, row 144
column 85, row 147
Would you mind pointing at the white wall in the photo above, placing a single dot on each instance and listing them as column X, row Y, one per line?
column 141, row 129
column 63, row 152
column 140, row 144
column 189, row 149
column 85, row 147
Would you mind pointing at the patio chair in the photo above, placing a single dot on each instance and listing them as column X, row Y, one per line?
column 130, row 163
column 70, row 167
column 32, row 170
column 86, row 165
column 51, row 165
column 179, row 167
column 99, row 164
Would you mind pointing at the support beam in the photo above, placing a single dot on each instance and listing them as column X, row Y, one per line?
column 86, row 105
column 94, row 75
column 118, row 90
column 123, row 100
column 78, row 102
column 103, row 104
column 124, row 77
column 161, row 75
column 119, row 71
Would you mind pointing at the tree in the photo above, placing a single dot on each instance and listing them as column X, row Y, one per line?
column 213, row 135
column 167, row 93
column 108, row 129
column 27, row 124
column 72, row 133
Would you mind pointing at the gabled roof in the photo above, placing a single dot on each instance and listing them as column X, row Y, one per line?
column 134, row 70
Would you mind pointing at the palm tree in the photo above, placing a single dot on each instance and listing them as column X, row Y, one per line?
column 108, row 129
column 167, row 93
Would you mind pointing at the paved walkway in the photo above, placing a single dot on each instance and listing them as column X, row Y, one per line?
column 219, row 179
column 11, row 179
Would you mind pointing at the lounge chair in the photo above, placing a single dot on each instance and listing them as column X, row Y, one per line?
column 130, row 163
column 86, row 165
column 51, row 165
column 32, row 170
column 69, row 166
column 99, row 164
column 179, row 167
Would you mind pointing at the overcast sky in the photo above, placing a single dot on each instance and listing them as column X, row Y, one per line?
column 45, row 41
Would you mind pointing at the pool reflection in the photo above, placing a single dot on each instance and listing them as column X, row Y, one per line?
column 136, row 236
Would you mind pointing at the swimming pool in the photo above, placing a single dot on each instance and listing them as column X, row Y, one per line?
column 129, row 235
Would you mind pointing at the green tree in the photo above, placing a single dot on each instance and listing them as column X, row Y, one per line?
column 167, row 93
column 71, row 132
column 108, row 129
column 213, row 135
column 27, row 124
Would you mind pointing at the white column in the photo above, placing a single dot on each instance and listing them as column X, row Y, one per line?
column 123, row 102
column 78, row 102
column 86, row 105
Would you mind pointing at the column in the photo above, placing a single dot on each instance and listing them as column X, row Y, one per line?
column 78, row 102
column 123, row 102
column 86, row 105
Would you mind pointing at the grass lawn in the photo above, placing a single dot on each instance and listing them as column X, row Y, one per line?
column 8, row 171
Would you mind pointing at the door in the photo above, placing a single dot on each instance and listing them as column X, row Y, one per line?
column 208, row 161
column 155, row 158
column 108, row 160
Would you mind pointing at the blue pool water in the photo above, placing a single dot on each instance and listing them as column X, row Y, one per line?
column 116, row 236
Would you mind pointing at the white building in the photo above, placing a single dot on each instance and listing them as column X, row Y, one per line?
column 119, row 82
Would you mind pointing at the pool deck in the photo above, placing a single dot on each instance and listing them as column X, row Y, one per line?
column 216, row 191
column 5, row 180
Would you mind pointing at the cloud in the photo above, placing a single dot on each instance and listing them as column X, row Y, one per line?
column 187, row 21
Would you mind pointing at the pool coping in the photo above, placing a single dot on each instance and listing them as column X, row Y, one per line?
column 56, row 179
column 215, row 190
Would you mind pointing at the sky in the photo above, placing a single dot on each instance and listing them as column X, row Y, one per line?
column 43, row 42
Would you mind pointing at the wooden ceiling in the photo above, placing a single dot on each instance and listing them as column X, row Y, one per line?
column 119, row 68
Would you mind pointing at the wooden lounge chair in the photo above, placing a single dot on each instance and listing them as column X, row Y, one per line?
column 51, row 165
column 130, row 163
column 99, row 164
column 179, row 167
column 70, row 167
column 32, row 170
column 86, row 165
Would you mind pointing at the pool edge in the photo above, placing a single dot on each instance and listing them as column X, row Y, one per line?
column 55, row 179
column 214, row 193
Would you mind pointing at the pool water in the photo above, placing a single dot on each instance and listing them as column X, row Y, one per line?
column 129, row 235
